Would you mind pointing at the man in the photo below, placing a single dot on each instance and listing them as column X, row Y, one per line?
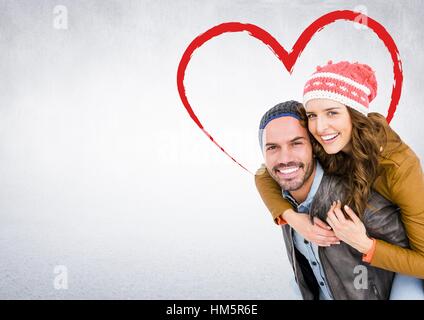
column 335, row 271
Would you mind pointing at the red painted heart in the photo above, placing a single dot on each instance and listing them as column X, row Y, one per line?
column 289, row 58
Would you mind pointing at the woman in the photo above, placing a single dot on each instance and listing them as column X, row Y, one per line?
column 360, row 146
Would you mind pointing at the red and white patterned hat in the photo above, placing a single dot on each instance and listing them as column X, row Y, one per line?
column 352, row 84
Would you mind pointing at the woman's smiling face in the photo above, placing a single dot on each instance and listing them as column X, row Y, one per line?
column 330, row 123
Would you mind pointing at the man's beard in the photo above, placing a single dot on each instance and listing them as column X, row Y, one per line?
column 297, row 182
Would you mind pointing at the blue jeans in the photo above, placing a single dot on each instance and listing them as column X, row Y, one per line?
column 407, row 288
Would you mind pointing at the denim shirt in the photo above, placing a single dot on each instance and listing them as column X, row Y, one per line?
column 308, row 249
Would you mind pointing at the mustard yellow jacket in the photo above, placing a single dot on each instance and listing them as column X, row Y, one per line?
column 401, row 180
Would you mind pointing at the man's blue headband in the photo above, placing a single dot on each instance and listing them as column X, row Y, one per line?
column 278, row 115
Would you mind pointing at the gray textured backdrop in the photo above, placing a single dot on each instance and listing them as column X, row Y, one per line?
column 103, row 172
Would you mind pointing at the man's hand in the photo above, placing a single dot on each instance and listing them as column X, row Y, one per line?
column 352, row 231
column 318, row 233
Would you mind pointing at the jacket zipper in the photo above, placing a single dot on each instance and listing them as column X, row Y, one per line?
column 325, row 274
column 293, row 254
column 374, row 288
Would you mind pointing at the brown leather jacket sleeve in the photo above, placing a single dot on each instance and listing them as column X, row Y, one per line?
column 270, row 193
column 404, row 185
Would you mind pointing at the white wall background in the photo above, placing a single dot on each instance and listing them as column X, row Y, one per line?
column 102, row 170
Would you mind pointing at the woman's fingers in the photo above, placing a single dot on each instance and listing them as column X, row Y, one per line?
column 330, row 220
column 338, row 212
column 321, row 223
column 331, row 239
column 323, row 244
column 351, row 214
column 331, row 217
column 325, row 241
column 323, row 232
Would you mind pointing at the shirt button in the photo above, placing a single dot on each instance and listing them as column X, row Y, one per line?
column 321, row 283
column 306, row 241
column 314, row 263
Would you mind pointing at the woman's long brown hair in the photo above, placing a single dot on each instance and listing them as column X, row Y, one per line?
column 360, row 167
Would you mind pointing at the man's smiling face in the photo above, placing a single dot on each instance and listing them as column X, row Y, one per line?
column 288, row 152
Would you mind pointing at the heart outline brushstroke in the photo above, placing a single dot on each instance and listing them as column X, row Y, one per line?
column 289, row 58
